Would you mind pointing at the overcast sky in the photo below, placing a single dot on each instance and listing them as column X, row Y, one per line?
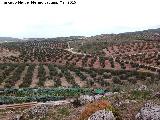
column 85, row 18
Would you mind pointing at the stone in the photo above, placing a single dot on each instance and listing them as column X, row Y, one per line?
column 85, row 99
column 108, row 94
column 150, row 111
column 102, row 115
column 157, row 95
column 142, row 87
column 38, row 111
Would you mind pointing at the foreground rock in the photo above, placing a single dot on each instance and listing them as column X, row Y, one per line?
column 35, row 112
column 149, row 112
column 84, row 99
column 102, row 115
column 157, row 95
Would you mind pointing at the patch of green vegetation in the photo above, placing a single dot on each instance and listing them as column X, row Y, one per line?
column 93, row 47
column 136, row 94
column 64, row 111
column 115, row 111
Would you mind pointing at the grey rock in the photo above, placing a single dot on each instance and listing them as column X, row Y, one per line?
column 38, row 111
column 142, row 87
column 102, row 115
column 157, row 95
column 150, row 111
column 86, row 99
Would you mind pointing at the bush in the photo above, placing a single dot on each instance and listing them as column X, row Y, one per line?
column 64, row 111
column 116, row 88
column 123, row 76
column 107, row 75
column 93, row 74
column 93, row 107
column 132, row 80
column 76, row 103
column 149, row 80
column 116, row 80
column 140, row 94
column 90, row 82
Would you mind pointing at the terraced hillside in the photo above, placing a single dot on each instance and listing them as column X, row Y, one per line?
column 49, row 75
column 86, row 62
column 129, row 56
column 69, row 72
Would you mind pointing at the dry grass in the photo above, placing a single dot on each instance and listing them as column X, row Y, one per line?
column 93, row 107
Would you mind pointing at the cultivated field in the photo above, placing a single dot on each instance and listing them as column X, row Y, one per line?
column 51, row 69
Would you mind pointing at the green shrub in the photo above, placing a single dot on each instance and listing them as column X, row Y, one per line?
column 116, row 80
column 132, row 80
column 107, row 75
column 136, row 94
column 64, row 111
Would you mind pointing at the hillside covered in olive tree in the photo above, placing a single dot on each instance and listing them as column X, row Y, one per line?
column 117, row 72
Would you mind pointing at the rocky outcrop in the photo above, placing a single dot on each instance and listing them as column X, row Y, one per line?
column 35, row 112
column 86, row 98
column 150, row 111
column 157, row 95
column 102, row 115
column 142, row 87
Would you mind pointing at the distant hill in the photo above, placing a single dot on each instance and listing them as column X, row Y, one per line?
column 154, row 30
column 9, row 39
column 150, row 34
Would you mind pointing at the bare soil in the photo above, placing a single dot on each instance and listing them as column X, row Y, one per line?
column 21, row 78
column 35, row 77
